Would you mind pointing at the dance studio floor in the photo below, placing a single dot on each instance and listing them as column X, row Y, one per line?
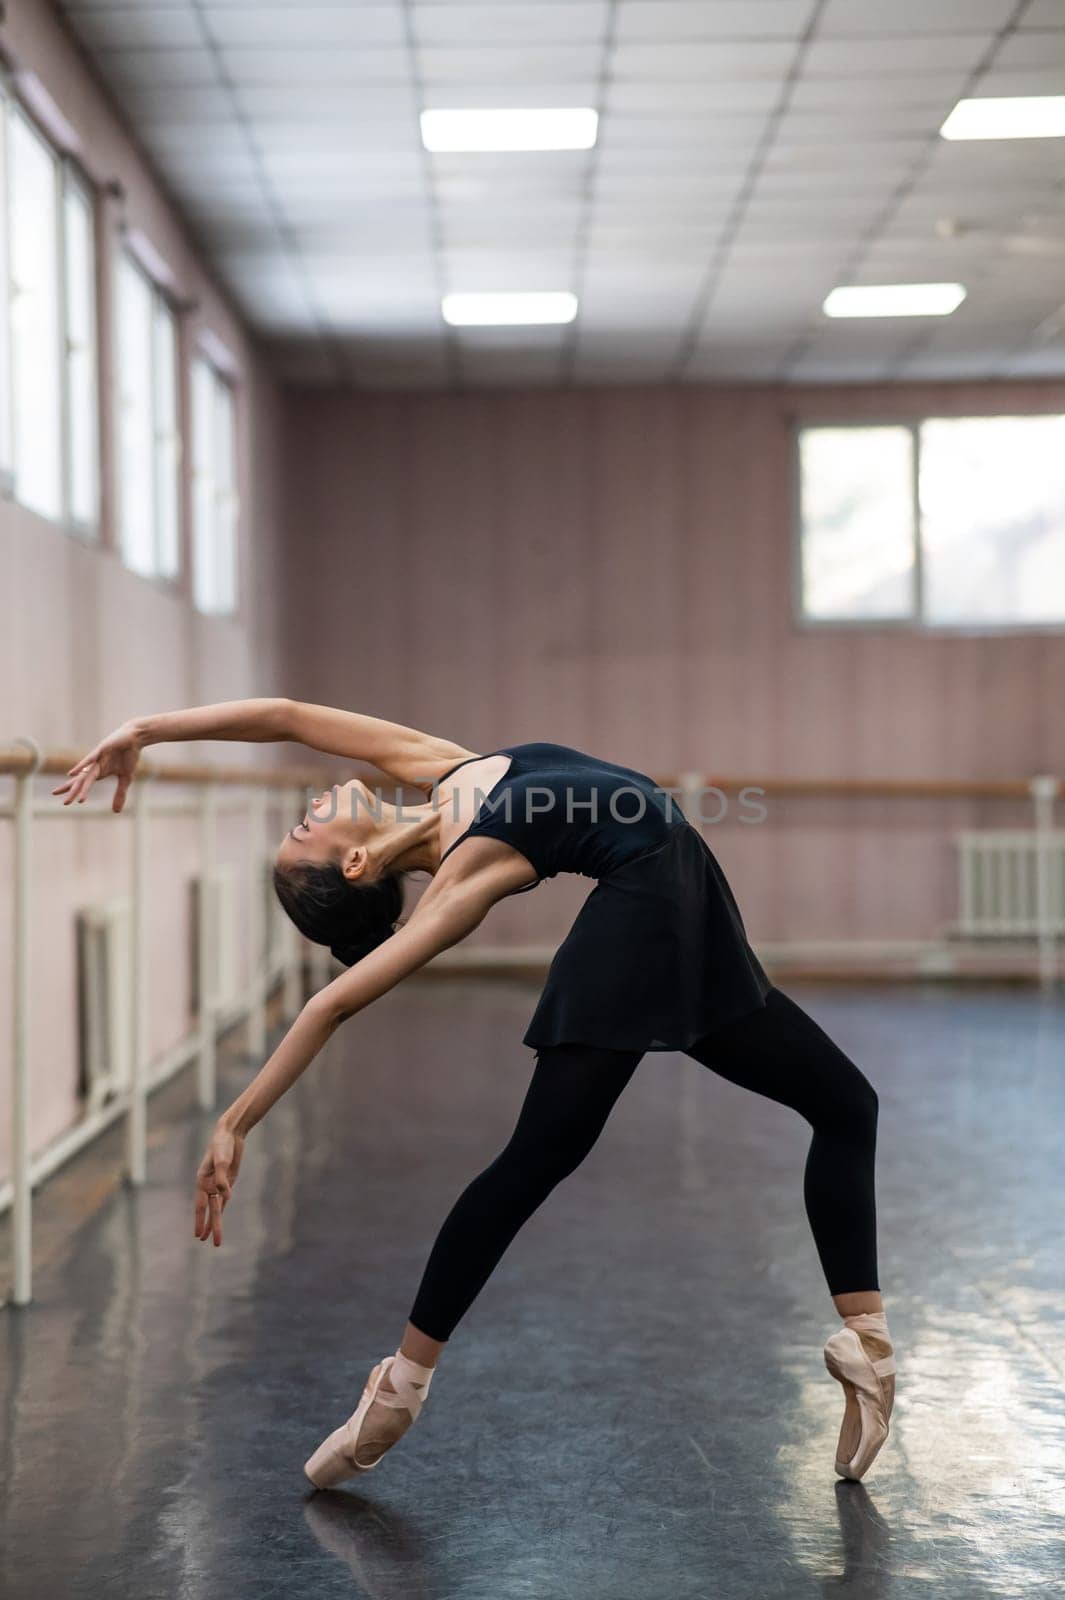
column 636, row 1405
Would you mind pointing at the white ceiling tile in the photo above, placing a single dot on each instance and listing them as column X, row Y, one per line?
column 1032, row 50
column 158, row 27
column 319, row 129
column 574, row 22
column 726, row 133
column 658, row 20
column 397, row 297
column 821, row 161
column 308, row 144
column 842, row 18
column 558, row 169
column 457, row 96
column 707, row 170
column 834, row 58
column 313, row 67
column 392, row 108
column 841, row 125
column 502, row 65
column 346, row 168
column 677, row 96
column 270, row 284
column 937, row 91
column 487, row 270
column 723, row 59
column 543, row 337
column 307, row 25
column 1022, row 80
column 1042, row 14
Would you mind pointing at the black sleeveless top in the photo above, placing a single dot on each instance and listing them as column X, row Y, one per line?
column 568, row 812
column 658, row 955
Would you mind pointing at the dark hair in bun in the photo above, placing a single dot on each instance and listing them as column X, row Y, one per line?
column 351, row 918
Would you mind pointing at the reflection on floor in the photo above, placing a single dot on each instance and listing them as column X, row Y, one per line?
column 636, row 1405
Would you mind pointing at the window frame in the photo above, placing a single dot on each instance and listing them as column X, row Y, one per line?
column 72, row 177
column 67, row 175
column 7, row 373
column 916, row 623
column 161, row 300
column 221, row 378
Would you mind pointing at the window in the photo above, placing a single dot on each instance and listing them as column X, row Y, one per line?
column 948, row 522
column 48, row 412
column 214, row 492
column 857, row 519
column 5, row 329
column 148, row 452
column 37, row 454
column 79, row 255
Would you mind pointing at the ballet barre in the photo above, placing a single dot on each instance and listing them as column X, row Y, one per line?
column 276, row 963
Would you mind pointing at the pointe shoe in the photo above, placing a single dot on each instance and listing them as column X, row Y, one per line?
column 868, row 1402
column 336, row 1458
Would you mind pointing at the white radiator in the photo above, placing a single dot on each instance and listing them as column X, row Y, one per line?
column 223, row 938
column 104, row 1013
column 1011, row 882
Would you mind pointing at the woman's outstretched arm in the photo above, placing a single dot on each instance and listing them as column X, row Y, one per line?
column 405, row 753
column 449, row 917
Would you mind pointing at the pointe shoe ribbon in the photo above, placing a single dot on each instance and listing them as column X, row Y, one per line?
column 850, row 1364
column 411, row 1382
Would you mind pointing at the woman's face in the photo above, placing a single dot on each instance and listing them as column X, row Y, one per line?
column 345, row 815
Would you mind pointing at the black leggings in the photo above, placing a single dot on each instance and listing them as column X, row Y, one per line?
column 778, row 1051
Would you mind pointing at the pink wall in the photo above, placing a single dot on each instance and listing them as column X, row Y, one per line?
column 612, row 569
column 85, row 643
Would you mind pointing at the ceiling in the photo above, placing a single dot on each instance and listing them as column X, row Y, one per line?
column 752, row 154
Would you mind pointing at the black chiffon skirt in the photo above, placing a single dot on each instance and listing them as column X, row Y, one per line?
column 656, row 958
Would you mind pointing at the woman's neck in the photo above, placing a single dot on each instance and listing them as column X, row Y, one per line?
column 412, row 843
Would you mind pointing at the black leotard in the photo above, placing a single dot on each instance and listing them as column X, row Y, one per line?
column 658, row 954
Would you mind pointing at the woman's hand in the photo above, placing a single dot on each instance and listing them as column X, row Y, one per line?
column 215, row 1179
column 114, row 757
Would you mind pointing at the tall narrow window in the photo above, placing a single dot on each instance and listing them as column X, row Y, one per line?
column 79, row 285
column 36, row 423
column 858, row 548
column 215, row 502
column 149, row 444
column 5, row 332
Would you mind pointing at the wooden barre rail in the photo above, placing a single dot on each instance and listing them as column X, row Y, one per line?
column 16, row 759
column 873, row 788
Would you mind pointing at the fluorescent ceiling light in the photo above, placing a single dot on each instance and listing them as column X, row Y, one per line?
column 502, row 310
column 1030, row 116
column 572, row 128
column 895, row 300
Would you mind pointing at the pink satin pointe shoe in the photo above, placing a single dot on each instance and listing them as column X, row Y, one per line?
column 869, row 1400
column 350, row 1449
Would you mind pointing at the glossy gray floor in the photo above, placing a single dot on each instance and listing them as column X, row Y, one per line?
column 635, row 1406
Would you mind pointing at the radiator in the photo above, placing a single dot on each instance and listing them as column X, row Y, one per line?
column 104, row 1012
column 1011, row 882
